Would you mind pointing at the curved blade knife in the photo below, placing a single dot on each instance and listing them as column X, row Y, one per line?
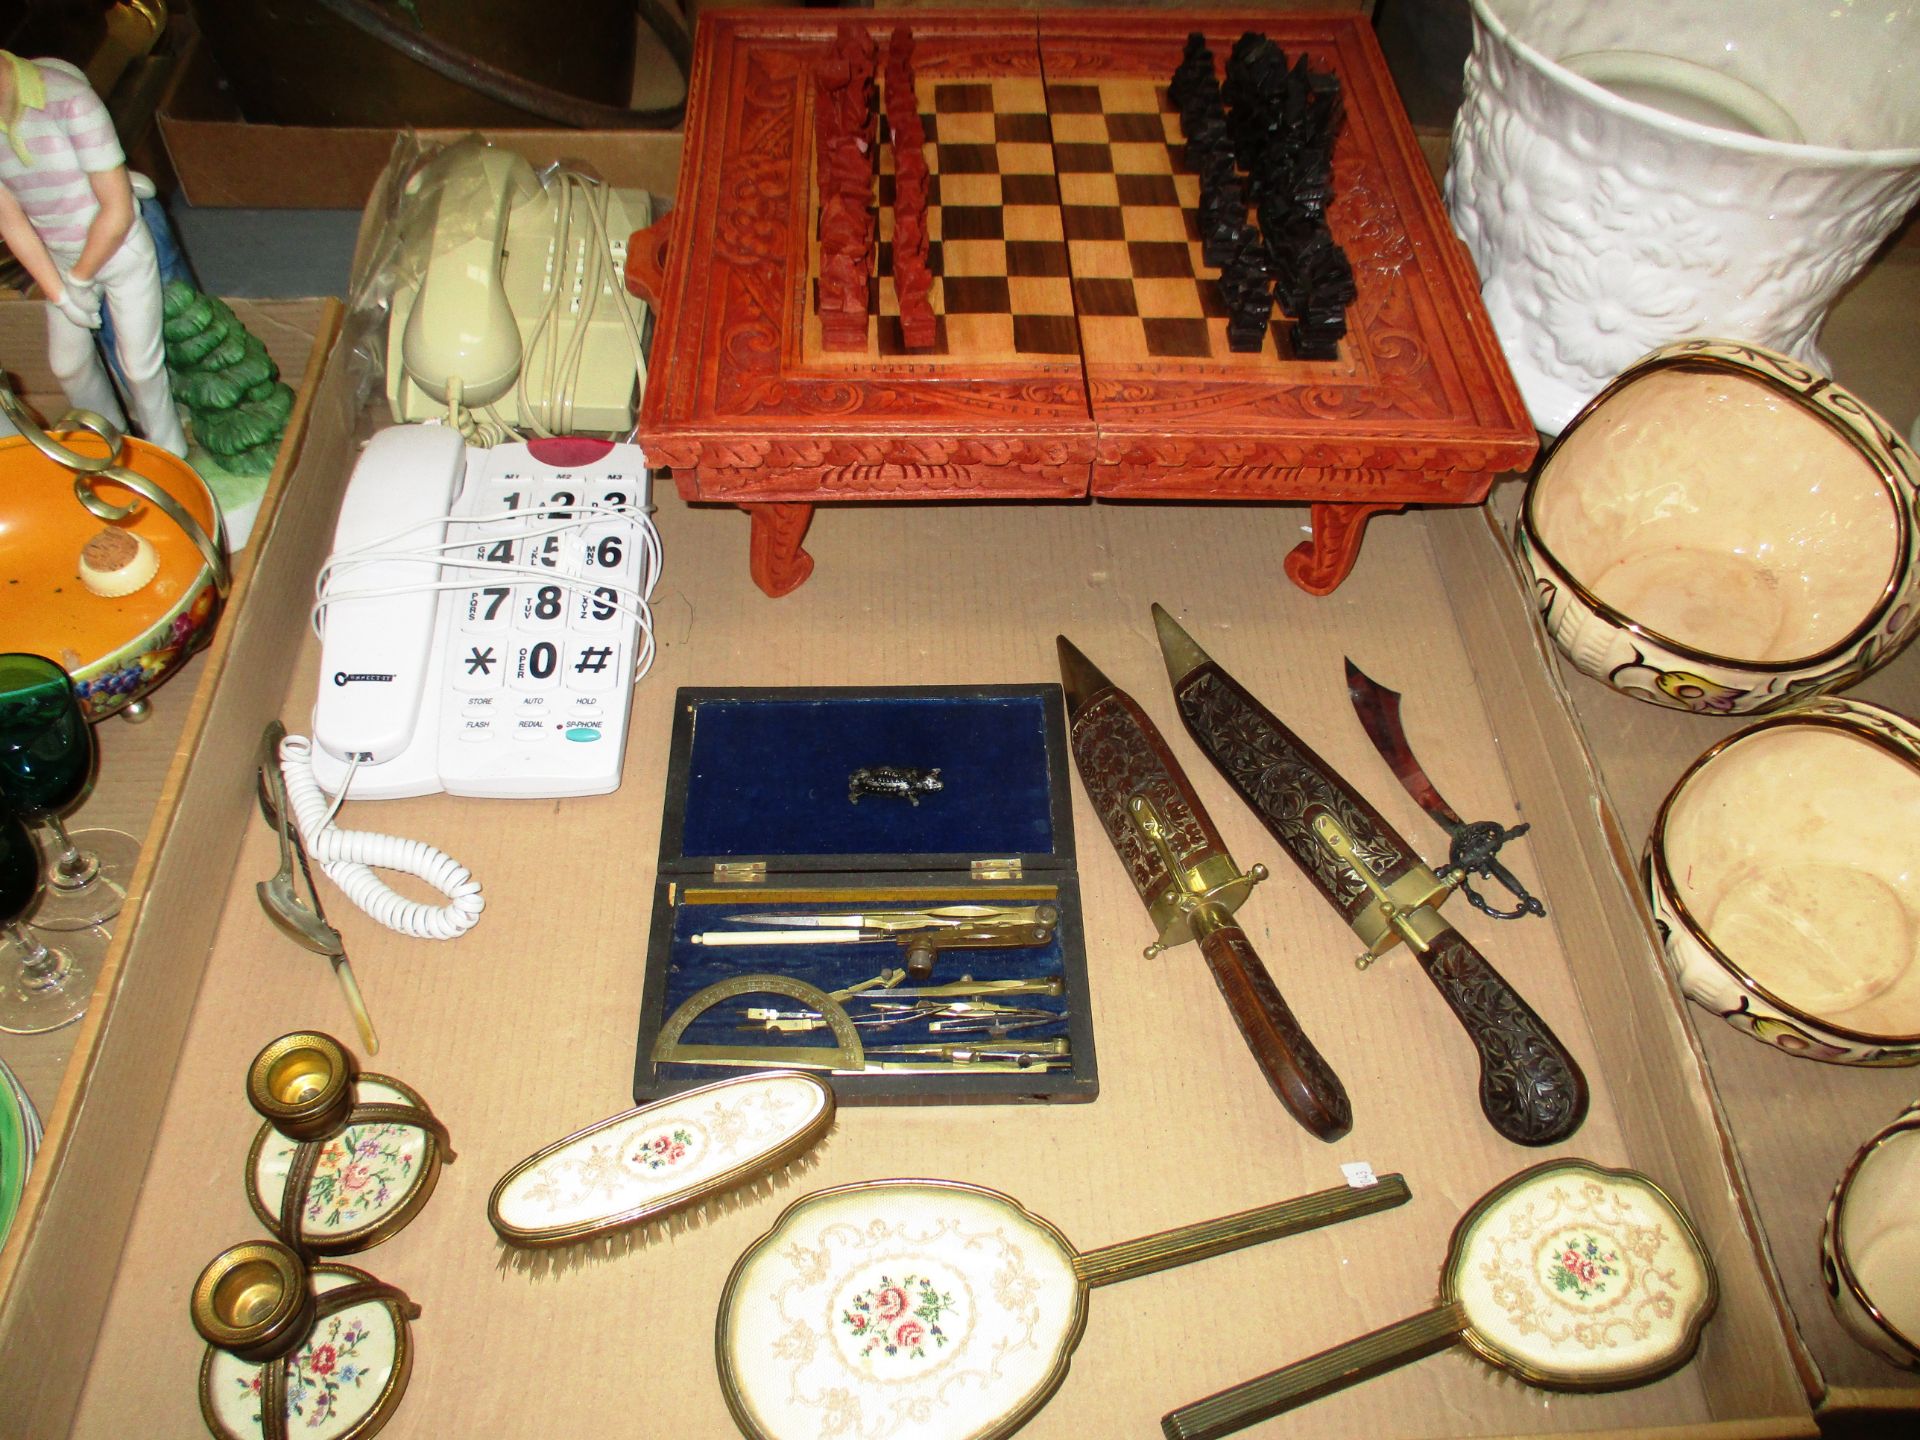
column 1531, row 1089
column 1189, row 882
column 1473, row 846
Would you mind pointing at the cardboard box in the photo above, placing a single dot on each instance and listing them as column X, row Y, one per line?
column 222, row 160
column 1793, row 1124
column 99, row 1085
column 523, row 1030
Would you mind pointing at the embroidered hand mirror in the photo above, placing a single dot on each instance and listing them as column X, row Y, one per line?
column 941, row 1310
column 1568, row 1275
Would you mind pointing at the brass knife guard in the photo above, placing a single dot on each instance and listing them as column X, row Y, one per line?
column 1408, row 909
column 1197, row 898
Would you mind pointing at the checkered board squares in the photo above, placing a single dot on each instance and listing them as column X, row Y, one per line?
column 1002, row 291
column 1129, row 209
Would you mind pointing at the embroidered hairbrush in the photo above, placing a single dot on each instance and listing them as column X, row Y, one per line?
column 600, row 1190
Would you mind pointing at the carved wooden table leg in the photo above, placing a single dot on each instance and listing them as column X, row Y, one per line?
column 1318, row 565
column 778, row 565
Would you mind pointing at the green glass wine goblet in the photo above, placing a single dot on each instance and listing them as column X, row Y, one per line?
column 46, row 765
column 42, row 987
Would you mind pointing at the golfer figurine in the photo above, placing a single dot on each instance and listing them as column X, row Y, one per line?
column 68, row 212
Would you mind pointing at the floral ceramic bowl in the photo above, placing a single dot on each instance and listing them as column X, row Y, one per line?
column 1725, row 531
column 1870, row 1243
column 1784, row 871
column 117, row 649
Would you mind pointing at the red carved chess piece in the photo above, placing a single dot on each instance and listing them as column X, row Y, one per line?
column 912, row 277
column 845, row 156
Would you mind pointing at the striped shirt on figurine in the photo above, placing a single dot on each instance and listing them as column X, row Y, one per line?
column 59, row 133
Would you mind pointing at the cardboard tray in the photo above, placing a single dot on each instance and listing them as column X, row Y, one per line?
column 523, row 1030
column 1794, row 1124
column 99, row 1085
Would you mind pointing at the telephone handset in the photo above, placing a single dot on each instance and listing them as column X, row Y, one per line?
column 461, row 343
column 510, row 299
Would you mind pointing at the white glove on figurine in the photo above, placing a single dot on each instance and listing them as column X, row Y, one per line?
column 79, row 301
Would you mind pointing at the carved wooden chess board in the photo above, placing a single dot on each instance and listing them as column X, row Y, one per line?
column 1080, row 345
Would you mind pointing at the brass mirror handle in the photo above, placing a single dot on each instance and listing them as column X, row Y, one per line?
column 86, row 468
column 1187, row 1243
column 1239, row 1406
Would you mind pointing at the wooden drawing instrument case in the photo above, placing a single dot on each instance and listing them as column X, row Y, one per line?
column 761, row 823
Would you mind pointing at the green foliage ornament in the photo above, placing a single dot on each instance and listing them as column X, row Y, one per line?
column 236, row 406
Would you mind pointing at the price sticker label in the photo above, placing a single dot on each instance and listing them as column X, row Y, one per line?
column 1359, row 1174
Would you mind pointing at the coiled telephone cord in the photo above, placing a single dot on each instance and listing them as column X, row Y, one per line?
column 350, row 858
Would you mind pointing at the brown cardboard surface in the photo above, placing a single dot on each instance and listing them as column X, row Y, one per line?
column 58, row 1264
column 222, row 160
column 523, row 1030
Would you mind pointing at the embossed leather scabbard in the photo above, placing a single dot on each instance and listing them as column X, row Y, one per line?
column 1190, row 884
column 1530, row 1088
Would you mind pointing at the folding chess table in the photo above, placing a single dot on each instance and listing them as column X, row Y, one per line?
column 1080, row 345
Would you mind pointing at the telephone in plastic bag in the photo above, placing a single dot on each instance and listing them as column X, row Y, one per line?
column 519, row 311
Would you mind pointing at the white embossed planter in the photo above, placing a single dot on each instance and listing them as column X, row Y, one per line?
column 1780, row 873
column 1631, row 173
column 1725, row 531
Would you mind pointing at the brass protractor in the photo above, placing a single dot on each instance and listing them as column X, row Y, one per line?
column 846, row 1053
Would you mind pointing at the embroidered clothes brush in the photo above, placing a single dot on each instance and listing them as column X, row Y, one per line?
column 594, row 1192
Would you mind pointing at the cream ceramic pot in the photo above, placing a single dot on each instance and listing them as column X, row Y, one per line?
column 1725, row 531
column 1870, row 1243
column 1630, row 173
column 1784, row 872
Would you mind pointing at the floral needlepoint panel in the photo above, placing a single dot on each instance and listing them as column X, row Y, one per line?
column 1581, row 1274
column 646, row 1158
column 899, row 1307
column 364, row 1175
column 336, row 1378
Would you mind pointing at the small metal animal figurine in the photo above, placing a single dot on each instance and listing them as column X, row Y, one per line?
column 902, row 780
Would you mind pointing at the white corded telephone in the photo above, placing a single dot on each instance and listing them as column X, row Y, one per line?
column 483, row 617
column 519, row 311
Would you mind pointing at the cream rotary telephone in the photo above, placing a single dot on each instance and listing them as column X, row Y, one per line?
column 518, row 321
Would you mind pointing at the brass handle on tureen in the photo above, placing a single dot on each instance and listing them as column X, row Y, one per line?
column 87, row 468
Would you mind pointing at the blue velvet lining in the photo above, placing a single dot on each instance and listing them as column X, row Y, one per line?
column 692, row 968
column 769, row 777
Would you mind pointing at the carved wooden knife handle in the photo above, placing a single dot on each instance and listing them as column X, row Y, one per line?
column 1300, row 1076
column 1530, row 1088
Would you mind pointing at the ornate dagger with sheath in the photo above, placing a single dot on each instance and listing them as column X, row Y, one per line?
column 1189, row 882
column 1530, row 1088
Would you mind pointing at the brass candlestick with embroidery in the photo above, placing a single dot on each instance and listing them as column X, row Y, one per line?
column 327, row 1338
column 345, row 1159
